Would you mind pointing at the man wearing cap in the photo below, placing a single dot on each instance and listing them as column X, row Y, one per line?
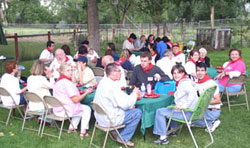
column 129, row 43
column 47, row 55
column 179, row 57
column 60, row 58
column 84, row 75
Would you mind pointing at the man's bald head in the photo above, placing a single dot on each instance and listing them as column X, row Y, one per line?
column 60, row 54
column 107, row 60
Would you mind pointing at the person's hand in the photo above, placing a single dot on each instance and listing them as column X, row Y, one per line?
column 220, row 76
column 137, row 91
column 89, row 90
column 179, row 107
column 157, row 77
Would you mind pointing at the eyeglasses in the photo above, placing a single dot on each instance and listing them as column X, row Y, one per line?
column 117, row 70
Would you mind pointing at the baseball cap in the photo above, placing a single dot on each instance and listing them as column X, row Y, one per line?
column 82, row 58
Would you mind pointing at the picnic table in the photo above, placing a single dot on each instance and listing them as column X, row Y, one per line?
column 148, row 106
column 89, row 98
column 212, row 72
column 136, row 53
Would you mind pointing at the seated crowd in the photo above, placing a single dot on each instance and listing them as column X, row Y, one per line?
column 159, row 60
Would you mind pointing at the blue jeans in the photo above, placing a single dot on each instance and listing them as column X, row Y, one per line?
column 210, row 116
column 230, row 89
column 131, row 120
column 160, row 126
column 22, row 100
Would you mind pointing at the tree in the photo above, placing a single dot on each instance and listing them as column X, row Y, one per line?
column 93, row 25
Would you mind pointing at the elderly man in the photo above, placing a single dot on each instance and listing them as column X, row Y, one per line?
column 166, row 63
column 60, row 58
column 47, row 54
column 117, row 104
column 179, row 57
column 146, row 72
column 109, row 59
column 213, row 112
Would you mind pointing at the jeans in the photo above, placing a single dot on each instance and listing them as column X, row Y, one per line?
column 160, row 126
column 131, row 120
column 230, row 89
column 210, row 116
column 22, row 100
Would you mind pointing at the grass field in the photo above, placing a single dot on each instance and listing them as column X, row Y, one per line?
column 234, row 130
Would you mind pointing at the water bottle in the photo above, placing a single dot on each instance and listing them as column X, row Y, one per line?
column 143, row 90
column 149, row 88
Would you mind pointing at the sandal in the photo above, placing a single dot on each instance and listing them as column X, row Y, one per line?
column 71, row 131
column 82, row 135
column 129, row 143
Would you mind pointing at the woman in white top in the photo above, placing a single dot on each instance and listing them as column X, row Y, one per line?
column 10, row 81
column 37, row 83
column 190, row 66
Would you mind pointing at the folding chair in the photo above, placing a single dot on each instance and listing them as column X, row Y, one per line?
column 98, row 71
column 54, row 102
column 241, row 79
column 99, row 110
column 4, row 92
column 34, row 98
column 197, row 113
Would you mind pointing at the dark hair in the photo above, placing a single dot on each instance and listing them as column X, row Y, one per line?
column 180, row 69
column 234, row 49
column 201, row 65
column 82, row 50
column 158, row 39
column 165, row 39
column 133, row 36
column 49, row 43
column 111, row 67
column 145, row 54
column 109, row 52
column 66, row 49
column 85, row 42
column 194, row 51
column 151, row 35
column 112, row 46
column 9, row 66
column 153, row 46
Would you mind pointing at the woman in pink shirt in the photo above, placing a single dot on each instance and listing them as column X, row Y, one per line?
column 66, row 91
column 233, row 68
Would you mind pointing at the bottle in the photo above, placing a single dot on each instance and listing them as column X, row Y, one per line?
column 149, row 88
column 143, row 90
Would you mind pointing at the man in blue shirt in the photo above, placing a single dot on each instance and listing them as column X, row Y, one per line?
column 162, row 46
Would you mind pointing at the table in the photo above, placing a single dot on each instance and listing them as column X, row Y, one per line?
column 89, row 98
column 136, row 53
column 149, row 106
column 212, row 72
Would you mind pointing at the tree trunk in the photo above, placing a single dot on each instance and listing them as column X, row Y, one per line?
column 93, row 25
column 212, row 17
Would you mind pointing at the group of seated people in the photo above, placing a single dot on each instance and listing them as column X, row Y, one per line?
column 160, row 60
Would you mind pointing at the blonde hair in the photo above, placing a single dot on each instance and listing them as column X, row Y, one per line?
column 63, row 66
column 124, row 54
column 203, row 50
column 37, row 68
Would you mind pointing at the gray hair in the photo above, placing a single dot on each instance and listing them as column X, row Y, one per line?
column 203, row 50
column 168, row 53
column 110, row 68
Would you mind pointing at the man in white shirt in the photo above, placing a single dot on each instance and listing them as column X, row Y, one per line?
column 129, row 43
column 179, row 57
column 47, row 54
column 60, row 58
column 117, row 104
column 213, row 112
column 109, row 59
column 166, row 63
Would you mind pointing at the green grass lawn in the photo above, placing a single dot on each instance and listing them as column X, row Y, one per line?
column 234, row 130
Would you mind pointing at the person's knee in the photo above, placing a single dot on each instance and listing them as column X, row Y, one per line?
column 138, row 113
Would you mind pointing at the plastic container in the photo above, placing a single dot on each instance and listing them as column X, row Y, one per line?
column 149, row 88
column 143, row 89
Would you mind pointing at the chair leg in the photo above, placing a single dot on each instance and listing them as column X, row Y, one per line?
column 92, row 137
column 24, row 120
column 40, row 126
column 43, row 123
column 121, row 138
column 210, row 134
column 61, row 130
column 20, row 112
column 228, row 101
column 8, row 118
column 105, row 140
column 246, row 97
column 189, row 128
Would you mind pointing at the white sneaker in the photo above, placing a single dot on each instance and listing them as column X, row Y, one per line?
column 214, row 126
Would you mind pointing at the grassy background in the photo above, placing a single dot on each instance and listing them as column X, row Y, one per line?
column 234, row 130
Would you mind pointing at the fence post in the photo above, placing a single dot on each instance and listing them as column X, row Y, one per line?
column 16, row 46
column 74, row 37
column 113, row 33
column 49, row 36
